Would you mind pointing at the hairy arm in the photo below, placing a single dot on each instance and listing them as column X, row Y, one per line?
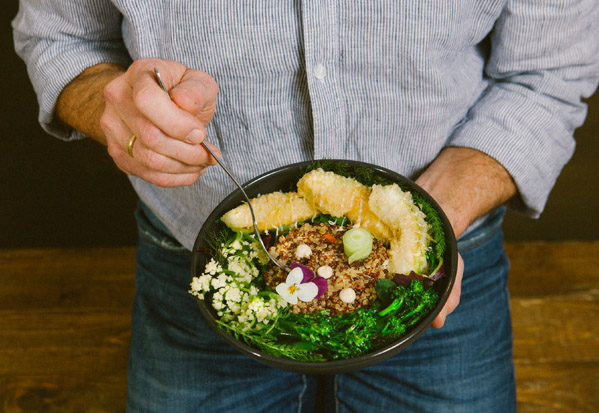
column 467, row 184
column 81, row 103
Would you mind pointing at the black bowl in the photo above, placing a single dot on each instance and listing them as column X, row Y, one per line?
column 284, row 179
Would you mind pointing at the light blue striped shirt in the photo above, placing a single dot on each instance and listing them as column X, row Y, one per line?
column 387, row 82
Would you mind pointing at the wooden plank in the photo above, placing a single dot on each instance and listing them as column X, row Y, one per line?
column 553, row 308
column 555, row 330
column 62, row 393
column 558, row 387
column 555, row 300
column 82, row 342
column 542, row 269
column 65, row 329
column 67, row 278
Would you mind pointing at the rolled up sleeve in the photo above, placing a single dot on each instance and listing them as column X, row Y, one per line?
column 544, row 59
column 58, row 40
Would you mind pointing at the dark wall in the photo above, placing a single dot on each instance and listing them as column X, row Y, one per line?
column 56, row 194
column 53, row 193
column 571, row 211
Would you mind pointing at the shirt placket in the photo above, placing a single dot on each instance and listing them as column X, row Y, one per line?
column 321, row 42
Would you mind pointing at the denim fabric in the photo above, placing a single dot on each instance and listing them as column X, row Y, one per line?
column 178, row 364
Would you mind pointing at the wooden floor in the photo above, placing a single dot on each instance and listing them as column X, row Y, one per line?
column 64, row 327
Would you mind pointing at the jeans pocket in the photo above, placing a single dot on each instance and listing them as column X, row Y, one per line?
column 484, row 232
column 151, row 229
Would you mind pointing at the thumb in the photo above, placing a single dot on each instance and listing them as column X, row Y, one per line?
column 196, row 94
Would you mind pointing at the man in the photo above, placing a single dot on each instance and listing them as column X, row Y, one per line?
column 477, row 101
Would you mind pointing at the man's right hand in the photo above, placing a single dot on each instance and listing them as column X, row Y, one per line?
column 166, row 150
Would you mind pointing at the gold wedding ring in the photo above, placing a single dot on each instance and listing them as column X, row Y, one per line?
column 130, row 146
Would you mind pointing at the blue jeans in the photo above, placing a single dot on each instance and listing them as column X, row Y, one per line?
column 178, row 364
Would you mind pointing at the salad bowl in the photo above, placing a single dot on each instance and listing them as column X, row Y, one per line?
column 284, row 179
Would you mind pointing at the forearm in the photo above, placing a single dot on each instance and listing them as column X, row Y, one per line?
column 467, row 184
column 81, row 103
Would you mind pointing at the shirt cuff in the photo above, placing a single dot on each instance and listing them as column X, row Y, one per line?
column 51, row 73
column 525, row 137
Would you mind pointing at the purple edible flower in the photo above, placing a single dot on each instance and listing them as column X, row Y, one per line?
column 309, row 276
column 308, row 273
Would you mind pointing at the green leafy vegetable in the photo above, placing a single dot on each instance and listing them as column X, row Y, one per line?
column 385, row 289
column 328, row 219
column 352, row 334
column 434, row 254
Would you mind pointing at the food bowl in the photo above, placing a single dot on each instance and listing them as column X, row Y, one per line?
column 284, row 179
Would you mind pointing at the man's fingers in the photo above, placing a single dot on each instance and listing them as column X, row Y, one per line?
column 196, row 94
column 166, row 180
column 193, row 155
column 154, row 104
column 150, row 137
column 193, row 95
column 145, row 162
column 166, row 150
column 215, row 151
column 454, row 297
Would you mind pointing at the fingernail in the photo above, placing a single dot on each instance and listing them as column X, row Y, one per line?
column 195, row 136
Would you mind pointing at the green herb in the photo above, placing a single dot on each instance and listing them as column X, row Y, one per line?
column 263, row 340
column 434, row 254
column 327, row 219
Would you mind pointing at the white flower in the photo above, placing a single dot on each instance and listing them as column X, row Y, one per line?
column 212, row 267
column 233, row 294
column 219, row 281
column 292, row 288
column 196, row 284
column 234, row 307
column 256, row 305
column 218, row 305
column 196, row 294
column 245, row 271
column 205, row 280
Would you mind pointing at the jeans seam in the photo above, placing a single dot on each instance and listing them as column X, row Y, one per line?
column 335, row 388
column 301, row 393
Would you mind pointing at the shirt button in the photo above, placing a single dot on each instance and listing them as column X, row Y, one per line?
column 320, row 72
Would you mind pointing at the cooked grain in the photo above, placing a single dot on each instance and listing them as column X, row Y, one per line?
column 359, row 275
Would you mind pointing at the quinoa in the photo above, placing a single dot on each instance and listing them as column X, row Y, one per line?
column 360, row 275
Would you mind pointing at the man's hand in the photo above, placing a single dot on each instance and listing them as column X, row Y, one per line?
column 466, row 184
column 166, row 150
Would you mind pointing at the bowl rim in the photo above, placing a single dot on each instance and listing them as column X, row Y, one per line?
column 199, row 254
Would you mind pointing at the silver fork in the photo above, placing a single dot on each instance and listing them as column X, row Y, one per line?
column 255, row 224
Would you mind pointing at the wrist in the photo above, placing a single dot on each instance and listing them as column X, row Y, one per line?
column 467, row 184
column 81, row 103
